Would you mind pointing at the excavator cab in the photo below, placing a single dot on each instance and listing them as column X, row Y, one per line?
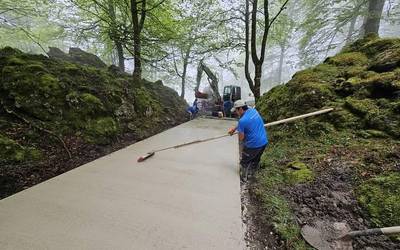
column 231, row 94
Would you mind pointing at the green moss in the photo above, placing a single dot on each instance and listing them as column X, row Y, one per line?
column 371, row 133
column 372, row 45
column 380, row 197
column 11, row 151
column 8, row 70
column 320, row 73
column 349, row 59
column 343, row 119
column 101, row 130
column 15, row 61
column 354, row 71
column 298, row 172
column 387, row 60
column 48, row 84
column 35, row 68
column 361, row 107
column 8, row 51
column 384, row 84
column 144, row 103
column 91, row 100
column 312, row 95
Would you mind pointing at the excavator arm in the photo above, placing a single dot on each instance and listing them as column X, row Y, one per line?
column 212, row 80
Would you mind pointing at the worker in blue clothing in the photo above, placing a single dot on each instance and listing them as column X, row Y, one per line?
column 193, row 110
column 252, row 134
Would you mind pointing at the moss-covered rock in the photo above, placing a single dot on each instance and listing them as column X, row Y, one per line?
column 349, row 59
column 73, row 99
column 298, row 172
column 101, row 130
column 380, row 197
column 361, row 107
column 386, row 60
column 365, row 98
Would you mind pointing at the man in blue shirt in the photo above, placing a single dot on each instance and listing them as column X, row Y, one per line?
column 252, row 133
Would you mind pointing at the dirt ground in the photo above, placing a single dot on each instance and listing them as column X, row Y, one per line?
column 330, row 198
column 257, row 235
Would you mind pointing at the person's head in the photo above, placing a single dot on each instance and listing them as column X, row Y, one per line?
column 239, row 107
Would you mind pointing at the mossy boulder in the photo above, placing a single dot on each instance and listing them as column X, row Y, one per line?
column 76, row 55
column 74, row 99
column 364, row 97
column 349, row 59
column 387, row 60
column 380, row 196
column 361, row 107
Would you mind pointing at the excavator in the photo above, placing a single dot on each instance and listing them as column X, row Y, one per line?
column 209, row 99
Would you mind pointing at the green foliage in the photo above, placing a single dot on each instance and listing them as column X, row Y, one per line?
column 380, row 197
column 11, row 151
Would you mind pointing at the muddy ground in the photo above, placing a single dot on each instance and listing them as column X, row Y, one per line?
column 329, row 198
column 257, row 234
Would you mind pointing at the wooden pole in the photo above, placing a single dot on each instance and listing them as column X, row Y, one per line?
column 150, row 154
column 298, row 117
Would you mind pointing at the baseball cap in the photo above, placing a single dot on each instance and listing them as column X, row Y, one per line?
column 238, row 104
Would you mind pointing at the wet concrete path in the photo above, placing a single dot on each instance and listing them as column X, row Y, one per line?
column 187, row 198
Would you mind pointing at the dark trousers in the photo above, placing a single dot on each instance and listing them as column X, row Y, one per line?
column 250, row 161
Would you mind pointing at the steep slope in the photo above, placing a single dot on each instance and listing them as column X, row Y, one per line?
column 343, row 166
column 56, row 115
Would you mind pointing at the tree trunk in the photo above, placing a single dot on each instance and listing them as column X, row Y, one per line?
column 115, row 37
column 351, row 30
column 137, row 26
column 251, row 40
column 121, row 58
column 373, row 19
column 281, row 63
column 183, row 82
column 247, row 45
column 257, row 81
column 185, row 65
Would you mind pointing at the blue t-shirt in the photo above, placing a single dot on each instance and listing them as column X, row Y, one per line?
column 252, row 125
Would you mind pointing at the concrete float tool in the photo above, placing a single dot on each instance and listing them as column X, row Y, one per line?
column 152, row 153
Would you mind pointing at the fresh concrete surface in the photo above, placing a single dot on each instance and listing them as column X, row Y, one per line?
column 186, row 198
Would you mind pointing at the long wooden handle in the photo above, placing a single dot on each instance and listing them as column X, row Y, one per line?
column 391, row 230
column 265, row 125
column 298, row 117
column 375, row 231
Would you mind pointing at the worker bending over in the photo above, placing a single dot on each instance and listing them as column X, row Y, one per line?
column 253, row 136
